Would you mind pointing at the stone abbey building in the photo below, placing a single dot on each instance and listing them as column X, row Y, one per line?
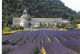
column 26, row 21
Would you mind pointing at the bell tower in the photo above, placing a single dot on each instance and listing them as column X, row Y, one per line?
column 25, row 19
column 25, row 12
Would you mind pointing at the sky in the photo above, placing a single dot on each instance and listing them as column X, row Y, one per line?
column 73, row 4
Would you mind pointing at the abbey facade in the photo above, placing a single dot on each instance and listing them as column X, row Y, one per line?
column 26, row 21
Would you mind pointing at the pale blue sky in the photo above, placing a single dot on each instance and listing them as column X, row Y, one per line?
column 73, row 4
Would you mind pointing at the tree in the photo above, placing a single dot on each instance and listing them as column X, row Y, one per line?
column 62, row 25
column 70, row 27
column 76, row 22
column 36, row 8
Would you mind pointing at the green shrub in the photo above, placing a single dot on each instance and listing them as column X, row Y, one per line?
column 70, row 27
column 17, row 28
column 61, row 25
column 58, row 26
column 76, row 22
column 6, row 29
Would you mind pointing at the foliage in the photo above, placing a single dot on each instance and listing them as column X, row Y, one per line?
column 58, row 25
column 17, row 28
column 61, row 25
column 12, row 28
column 76, row 22
column 6, row 29
column 73, row 17
column 43, row 27
column 70, row 27
column 79, row 13
column 36, row 8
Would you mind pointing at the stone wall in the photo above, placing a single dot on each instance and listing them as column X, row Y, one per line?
column 37, row 21
column 46, row 21
column 16, row 21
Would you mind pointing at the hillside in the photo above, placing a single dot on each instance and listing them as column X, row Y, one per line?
column 36, row 8
column 79, row 12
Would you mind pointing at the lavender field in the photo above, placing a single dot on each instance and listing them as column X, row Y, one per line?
column 32, row 42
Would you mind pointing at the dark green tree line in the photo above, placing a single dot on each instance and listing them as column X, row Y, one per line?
column 36, row 8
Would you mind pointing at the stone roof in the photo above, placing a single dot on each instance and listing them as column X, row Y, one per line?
column 46, row 19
